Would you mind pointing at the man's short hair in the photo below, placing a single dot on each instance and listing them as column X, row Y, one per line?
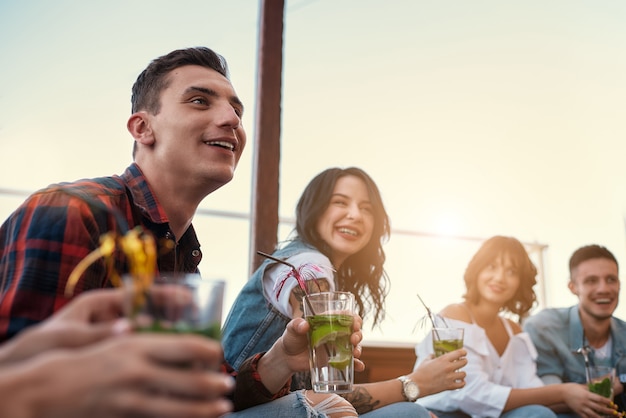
column 589, row 252
column 154, row 79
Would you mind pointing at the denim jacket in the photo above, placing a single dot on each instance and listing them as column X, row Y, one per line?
column 253, row 323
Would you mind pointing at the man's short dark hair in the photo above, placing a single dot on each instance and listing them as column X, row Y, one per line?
column 154, row 79
column 589, row 252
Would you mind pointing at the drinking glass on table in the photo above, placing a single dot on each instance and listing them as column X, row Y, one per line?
column 330, row 317
column 177, row 303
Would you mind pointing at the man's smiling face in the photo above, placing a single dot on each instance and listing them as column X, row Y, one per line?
column 197, row 132
column 596, row 283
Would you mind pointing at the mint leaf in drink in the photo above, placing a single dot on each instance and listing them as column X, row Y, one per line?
column 601, row 388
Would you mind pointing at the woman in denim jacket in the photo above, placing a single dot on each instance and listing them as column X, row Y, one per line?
column 341, row 224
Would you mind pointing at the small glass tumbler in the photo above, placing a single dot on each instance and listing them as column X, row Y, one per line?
column 177, row 303
column 601, row 380
column 446, row 340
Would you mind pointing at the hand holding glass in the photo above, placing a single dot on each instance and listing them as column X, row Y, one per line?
column 600, row 380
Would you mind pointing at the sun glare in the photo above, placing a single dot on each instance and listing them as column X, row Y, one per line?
column 447, row 224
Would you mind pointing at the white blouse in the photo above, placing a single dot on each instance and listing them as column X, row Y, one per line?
column 490, row 377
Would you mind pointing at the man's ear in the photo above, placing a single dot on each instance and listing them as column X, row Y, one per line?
column 572, row 287
column 140, row 128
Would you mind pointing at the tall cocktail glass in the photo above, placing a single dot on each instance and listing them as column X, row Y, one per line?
column 330, row 317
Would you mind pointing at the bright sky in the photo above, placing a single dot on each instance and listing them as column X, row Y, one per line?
column 475, row 118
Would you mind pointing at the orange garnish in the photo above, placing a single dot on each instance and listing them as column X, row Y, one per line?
column 140, row 251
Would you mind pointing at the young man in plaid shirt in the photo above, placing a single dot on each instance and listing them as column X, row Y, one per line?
column 186, row 123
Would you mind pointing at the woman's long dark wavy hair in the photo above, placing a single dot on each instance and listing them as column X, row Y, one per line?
column 525, row 298
column 361, row 273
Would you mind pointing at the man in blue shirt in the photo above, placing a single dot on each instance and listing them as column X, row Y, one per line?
column 561, row 335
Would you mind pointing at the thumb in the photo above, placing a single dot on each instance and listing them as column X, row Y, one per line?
column 300, row 326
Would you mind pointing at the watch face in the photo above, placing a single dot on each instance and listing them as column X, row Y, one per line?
column 412, row 391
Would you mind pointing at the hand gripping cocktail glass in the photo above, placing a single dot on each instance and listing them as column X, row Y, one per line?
column 330, row 318
column 178, row 303
column 446, row 340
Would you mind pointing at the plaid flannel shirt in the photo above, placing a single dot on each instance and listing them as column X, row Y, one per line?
column 249, row 390
column 56, row 227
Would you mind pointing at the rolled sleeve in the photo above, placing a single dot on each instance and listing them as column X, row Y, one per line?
column 249, row 389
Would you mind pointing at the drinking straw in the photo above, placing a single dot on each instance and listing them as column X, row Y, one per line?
column 584, row 350
column 431, row 316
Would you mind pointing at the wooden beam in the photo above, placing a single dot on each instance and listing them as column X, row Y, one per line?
column 266, row 158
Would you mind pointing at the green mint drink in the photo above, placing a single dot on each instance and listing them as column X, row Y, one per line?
column 332, row 332
column 213, row 331
column 446, row 340
column 442, row 347
column 330, row 318
column 602, row 388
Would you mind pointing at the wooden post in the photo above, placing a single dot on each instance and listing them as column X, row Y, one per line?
column 266, row 159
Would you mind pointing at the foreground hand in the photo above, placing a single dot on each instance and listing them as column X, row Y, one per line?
column 90, row 317
column 435, row 375
column 587, row 404
column 132, row 375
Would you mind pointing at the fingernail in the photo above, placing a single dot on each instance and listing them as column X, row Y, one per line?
column 121, row 326
column 229, row 381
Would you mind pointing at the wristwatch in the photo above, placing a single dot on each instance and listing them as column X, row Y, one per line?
column 410, row 391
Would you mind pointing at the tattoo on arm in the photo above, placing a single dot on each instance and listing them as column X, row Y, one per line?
column 361, row 399
column 312, row 286
column 319, row 285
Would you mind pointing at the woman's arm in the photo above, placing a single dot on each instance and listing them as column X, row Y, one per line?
column 432, row 376
column 297, row 294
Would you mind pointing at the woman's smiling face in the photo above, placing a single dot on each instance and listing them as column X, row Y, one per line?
column 347, row 224
column 498, row 282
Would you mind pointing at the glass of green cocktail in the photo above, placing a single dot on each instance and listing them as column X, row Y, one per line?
column 330, row 317
column 446, row 340
column 600, row 380
column 178, row 303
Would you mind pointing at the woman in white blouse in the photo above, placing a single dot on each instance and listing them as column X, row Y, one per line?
column 501, row 371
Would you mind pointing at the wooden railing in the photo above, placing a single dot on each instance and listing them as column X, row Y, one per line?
column 384, row 361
